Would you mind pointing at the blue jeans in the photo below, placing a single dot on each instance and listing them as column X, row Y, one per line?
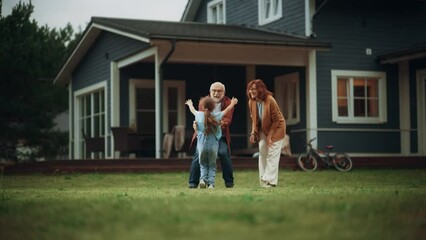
column 208, row 155
column 225, row 162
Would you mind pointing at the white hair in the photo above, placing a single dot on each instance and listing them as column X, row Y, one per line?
column 217, row 84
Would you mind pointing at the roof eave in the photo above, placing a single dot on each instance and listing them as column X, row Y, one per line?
column 190, row 10
column 406, row 54
column 312, row 45
column 86, row 41
column 89, row 37
column 400, row 58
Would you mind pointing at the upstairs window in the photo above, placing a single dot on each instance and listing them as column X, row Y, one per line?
column 359, row 97
column 216, row 12
column 269, row 11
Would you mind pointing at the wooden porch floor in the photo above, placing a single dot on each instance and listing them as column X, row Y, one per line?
column 183, row 165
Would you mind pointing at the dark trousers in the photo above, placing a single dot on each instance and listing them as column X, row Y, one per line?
column 225, row 162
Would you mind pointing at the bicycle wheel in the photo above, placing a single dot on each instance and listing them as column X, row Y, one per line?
column 307, row 162
column 342, row 162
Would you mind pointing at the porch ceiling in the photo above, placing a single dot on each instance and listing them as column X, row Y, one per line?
column 232, row 53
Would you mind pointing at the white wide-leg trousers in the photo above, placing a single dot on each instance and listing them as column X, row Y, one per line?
column 269, row 159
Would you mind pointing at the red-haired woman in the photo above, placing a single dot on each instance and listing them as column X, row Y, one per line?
column 268, row 129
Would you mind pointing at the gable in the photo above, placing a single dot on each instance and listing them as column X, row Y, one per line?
column 247, row 14
column 95, row 65
column 150, row 32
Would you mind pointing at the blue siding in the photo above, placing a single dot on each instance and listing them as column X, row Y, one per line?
column 242, row 12
column 95, row 66
column 353, row 26
column 247, row 13
column 359, row 141
column 201, row 15
column 293, row 20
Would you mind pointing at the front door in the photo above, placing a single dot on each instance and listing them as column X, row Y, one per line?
column 287, row 96
column 142, row 106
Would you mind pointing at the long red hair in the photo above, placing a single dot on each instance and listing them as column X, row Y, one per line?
column 261, row 88
column 210, row 122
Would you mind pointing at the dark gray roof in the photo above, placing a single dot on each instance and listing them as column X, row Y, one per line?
column 408, row 53
column 193, row 31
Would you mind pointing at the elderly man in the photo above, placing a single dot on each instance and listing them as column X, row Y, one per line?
column 217, row 92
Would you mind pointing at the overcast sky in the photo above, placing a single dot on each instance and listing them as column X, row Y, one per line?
column 57, row 13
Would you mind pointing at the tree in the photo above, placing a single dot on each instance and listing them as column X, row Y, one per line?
column 30, row 57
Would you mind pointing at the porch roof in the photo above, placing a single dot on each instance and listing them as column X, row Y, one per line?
column 408, row 53
column 194, row 31
column 147, row 31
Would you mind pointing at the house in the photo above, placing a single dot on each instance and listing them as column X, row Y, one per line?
column 350, row 73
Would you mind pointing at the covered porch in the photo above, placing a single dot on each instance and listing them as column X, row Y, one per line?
column 145, row 90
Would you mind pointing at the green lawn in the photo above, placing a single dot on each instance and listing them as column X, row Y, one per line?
column 362, row 204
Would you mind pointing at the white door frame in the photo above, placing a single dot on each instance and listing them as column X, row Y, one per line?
column 421, row 111
column 280, row 96
column 78, row 152
column 143, row 83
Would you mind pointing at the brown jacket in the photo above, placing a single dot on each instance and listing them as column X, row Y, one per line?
column 273, row 122
column 226, row 119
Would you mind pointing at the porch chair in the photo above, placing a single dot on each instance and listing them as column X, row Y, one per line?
column 176, row 143
column 95, row 144
column 126, row 142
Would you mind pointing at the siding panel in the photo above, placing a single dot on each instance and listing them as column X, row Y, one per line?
column 352, row 26
column 246, row 13
column 95, row 66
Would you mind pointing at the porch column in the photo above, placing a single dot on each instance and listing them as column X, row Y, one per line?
column 421, row 111
column 311, row 98
column 115, row 104
column 71, row 144
column 158, row 107
column 404, row 110
column 250, row 75
column 161, row 58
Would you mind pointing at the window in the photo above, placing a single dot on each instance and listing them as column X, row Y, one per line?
column 91, row 117
column 269, row 11
column 142, row 105
column 358, row 97
column 287, row 95
column 216, row 12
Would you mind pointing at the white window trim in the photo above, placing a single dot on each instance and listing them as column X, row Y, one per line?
column 212, row 18
column 143, row 83
column 78, row 153
column 261, row 8
column 421, row 114
column 382, row 118
column 309, row 13
column 293, row 77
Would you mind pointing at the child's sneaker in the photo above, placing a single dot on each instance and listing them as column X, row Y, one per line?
column 202, row 184
column 211, row 186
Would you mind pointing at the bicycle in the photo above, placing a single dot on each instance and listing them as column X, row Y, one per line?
column 308, row 161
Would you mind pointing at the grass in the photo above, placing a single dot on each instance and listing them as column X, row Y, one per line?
column 362, row 204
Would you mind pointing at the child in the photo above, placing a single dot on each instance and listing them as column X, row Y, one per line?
column 208, row 135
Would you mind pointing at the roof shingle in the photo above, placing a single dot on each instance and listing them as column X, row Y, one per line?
column 206, row 32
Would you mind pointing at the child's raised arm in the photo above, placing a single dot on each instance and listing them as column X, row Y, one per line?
column 191, row 106
column 234, row 101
